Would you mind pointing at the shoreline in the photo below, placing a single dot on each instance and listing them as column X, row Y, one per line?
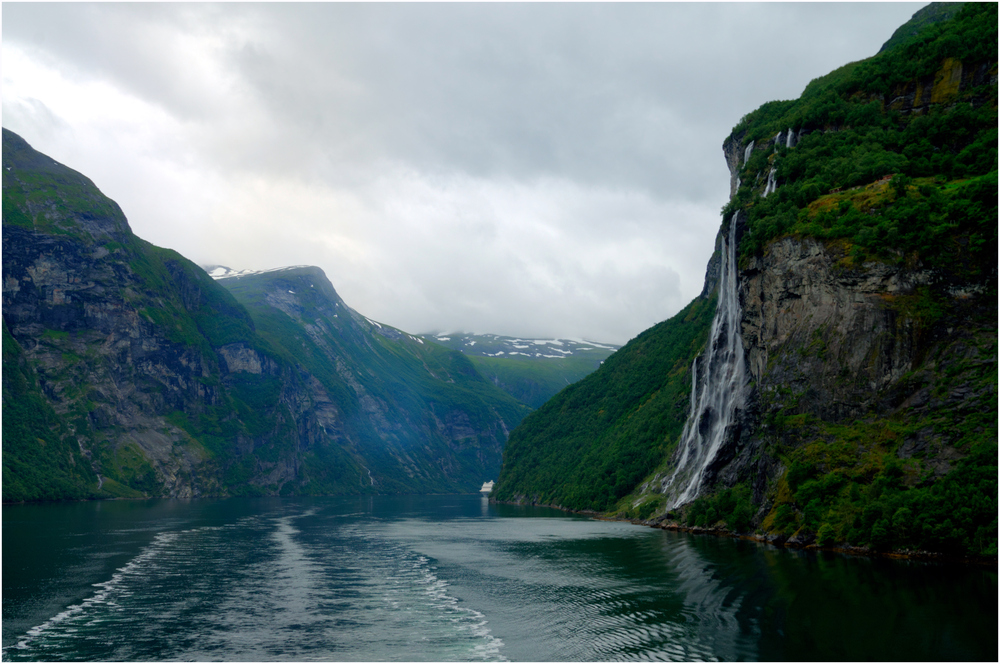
column 779, row 541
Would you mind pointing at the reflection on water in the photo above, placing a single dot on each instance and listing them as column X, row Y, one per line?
column 454, row 578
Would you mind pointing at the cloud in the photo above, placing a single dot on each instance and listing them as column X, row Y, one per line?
column 507, row 257
column 550, row 169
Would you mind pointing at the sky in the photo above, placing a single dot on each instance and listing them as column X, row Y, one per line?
column 534, row 170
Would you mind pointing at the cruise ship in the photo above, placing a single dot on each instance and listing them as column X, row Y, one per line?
column 487, row 487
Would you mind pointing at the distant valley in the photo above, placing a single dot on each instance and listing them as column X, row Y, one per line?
column 530, row 370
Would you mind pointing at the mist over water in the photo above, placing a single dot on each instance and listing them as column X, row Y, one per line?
column 451, row 578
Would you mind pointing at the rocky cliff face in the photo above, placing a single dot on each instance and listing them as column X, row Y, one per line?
column 868, row 309
column 420, row 415
column 829, row 341
column 160, row 384
column 79, row 298
column 827, row 332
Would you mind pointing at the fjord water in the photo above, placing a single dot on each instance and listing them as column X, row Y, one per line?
column 453, row 578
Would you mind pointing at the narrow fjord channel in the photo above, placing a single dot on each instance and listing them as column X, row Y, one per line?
column 452, row 578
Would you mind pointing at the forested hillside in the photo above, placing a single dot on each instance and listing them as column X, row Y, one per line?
column 419, row 414
column 593, row 442
column 129, row 372
column 867, row 242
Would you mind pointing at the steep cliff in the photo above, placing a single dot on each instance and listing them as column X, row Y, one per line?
column 128, row 372
column 865, row 224
column 870, row 320
column 419, row 415
column 120, row 334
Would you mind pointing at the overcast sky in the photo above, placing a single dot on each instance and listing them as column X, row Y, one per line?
column 523, row 169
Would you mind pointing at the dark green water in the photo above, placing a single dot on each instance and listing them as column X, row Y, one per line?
column 452, row 578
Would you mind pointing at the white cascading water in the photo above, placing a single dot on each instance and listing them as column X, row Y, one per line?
column 746, row 153
column 790, row 138
column 718, row 386
column 772, row 182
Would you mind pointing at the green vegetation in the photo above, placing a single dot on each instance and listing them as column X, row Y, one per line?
column 49, row 197
column 41, row 460
column 535, row 380
column 920, row 478
column 127, row 473
column 877, row 504
column 935, row 12
column 940, row 206
column 857, row 88
column 731, row 507
column 185, row 302
column 592, row 443
column 434, row 409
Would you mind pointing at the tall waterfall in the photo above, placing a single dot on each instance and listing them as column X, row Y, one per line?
column 718, row 386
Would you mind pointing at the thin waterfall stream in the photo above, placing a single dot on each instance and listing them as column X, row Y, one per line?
column 718, row 386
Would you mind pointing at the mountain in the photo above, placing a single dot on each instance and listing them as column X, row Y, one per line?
column 844, row 391
column 417, row 412
column 128, row 371
column 530, row 370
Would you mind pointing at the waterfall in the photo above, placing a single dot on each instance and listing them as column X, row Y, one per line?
column 772, row 182
column 718, row 382
column 791, row 137
column 746, row 153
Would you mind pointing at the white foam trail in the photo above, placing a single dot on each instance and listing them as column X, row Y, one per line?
column 105, row 596
column 107, row 587
column 474, row 621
